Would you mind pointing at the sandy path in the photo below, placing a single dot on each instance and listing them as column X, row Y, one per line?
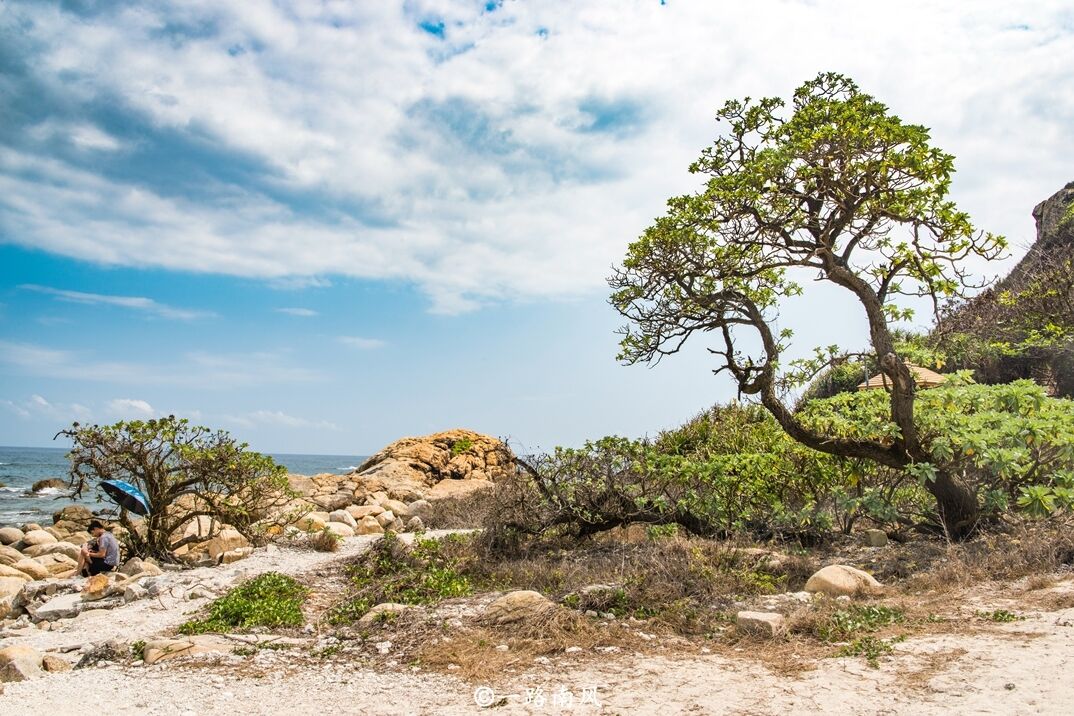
column 1020, row 668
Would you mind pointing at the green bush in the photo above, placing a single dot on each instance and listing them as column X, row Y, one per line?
column 425, row 572
column 270, row 600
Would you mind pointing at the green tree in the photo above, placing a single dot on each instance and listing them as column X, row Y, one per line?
column 841, row 190
column 185, row 472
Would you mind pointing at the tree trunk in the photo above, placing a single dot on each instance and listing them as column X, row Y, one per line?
column 957, row 506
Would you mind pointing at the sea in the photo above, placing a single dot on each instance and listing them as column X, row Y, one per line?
column 21, row 467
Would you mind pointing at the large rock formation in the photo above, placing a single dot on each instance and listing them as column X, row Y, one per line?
column 1039, row 289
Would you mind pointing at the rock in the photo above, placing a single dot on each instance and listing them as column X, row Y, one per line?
column 30, row 527
column 54, row 664
column 160, row 649
column 399, row 509
column 404, row 467
column 876, row 538
column 517, row 606
column 385, row 519
column 369, row 526
column 56, row 563
column 10, row 535
column 10, row 555
column 337, row 501
column 96, row 587
column 7, row 606
column 344, row 517
column 134, row 592
column 456, row 489
column 383, row 612
column 359, row 512
column 132, row 566
column 11, row 586
column 38, row 537
column 226, row 541
column 6, row 571
column 19, row 663
column 419, row 508
column 302, row 484
column 65, row 548
column 234, row 555
column 93, row 654
column 49, row 483
column 766, row 624
column 32, row 568
column 340, row 529
column 73, row 513
column 78, row 538
column 414, row 524
column 839, row 579
column 56, row 532
column 311, row 522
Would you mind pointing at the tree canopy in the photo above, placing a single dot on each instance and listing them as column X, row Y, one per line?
column 841, row 189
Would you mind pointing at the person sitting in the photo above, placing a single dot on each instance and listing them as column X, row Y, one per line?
column 99, row 555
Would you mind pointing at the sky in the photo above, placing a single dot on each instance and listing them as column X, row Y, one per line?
column 326, row 225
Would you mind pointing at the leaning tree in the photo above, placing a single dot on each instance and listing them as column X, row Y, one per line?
column 186, row 472
column 842, row 190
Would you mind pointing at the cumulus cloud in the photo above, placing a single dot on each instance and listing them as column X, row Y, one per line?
column 36, row 406
column 136, row 303
column 479, row 151
column 363, row 344
column 131, row 408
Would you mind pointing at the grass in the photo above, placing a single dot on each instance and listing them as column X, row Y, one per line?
column 845, row 623
column 461, row 446
column 869, row 647
column 425, row 572
column 1000, row 616
column 325, row 541
column 269, row 600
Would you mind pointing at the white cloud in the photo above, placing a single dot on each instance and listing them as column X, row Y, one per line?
column 131, row 408
column 136, row 303
column 492, row 164
column 360, row 343
column 300, row 312
column 198, row 369
column 37, row 407
column 279, row 418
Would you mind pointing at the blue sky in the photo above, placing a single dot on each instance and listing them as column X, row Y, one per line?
column 327, row 225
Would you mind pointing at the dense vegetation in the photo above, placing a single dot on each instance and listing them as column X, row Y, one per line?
column 268, row 600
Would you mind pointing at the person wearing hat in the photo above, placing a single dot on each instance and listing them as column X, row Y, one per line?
column 99, row 555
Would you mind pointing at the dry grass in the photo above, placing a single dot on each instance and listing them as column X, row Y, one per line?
column 466, row 512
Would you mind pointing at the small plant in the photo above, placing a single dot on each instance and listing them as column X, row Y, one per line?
column 461, row 446
column 845, row 623
column 270, row 599
column 327, row 651
column 425, row 572
column 325, row 541
column 656, row 532
column 1001, row 616
column 871, row 648
column 138, row 650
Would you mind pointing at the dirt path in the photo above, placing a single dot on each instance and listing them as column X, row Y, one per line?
column 1019, row 668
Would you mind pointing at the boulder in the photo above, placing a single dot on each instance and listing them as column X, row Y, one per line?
column 38, row 537
column 64, row 606
column 766, row 624
column 333, row 502
column 73, row 513
column 65, row 548
column 96, row 587
column 403, row 468
column 56, row 563
column 11, row 585
column 369, row 526
column 399, row 509
column 10, row 555
column 49, row 483
column 55, row 532
column 33, row 568
column 341, row 529
column 313, row 522
column 54, row 664
column 78, row 538
column 10, row 535
column 456, row 489
column 385, row 519
column 159, row 650
column 383, row 612
column 30, row 527
column 6, row 571
column 19, row 663
column 7, row 604
column 518, row 606
column 838, row 580
column 419, row 508
column 302, row 484
column 414, row 524
column 226, row 541
column 134, row 592
column 876, row 538
column 234, row 555
column 359, row 512
column 344, row 517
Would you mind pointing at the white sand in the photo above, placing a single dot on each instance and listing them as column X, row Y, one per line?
column 1022, row 668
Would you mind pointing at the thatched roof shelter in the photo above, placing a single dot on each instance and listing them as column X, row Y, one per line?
column 923, row 377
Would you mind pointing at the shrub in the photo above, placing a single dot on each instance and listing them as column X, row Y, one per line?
column 325, row 541
column 426, row 572
column 270, row 600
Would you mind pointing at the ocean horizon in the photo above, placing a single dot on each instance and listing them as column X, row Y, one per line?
column 21, row 467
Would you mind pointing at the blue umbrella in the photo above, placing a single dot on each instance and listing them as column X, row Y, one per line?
column 126, row 496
